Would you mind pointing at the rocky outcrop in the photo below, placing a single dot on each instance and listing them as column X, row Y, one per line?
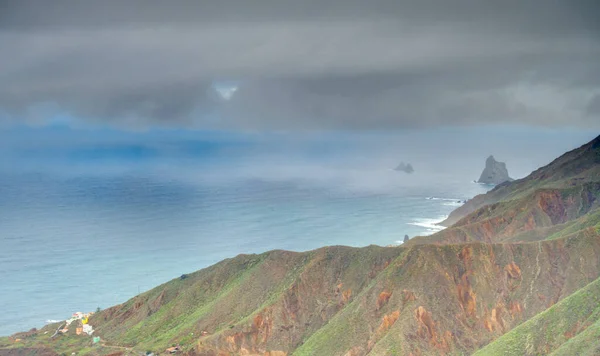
column 405, row 167
column 494, row 172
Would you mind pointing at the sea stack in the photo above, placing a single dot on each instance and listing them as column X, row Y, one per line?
column 494, row 172
column 406, row 168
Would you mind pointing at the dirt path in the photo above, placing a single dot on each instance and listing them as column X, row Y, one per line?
column 56, row 332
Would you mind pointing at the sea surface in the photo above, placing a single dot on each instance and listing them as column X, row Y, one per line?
column 88, row 222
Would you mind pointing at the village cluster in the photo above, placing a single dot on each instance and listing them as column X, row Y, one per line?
column 82, row 325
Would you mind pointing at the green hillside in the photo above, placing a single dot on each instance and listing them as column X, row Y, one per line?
column 571, row 327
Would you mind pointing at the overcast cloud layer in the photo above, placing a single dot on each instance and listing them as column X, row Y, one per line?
column 302, row 64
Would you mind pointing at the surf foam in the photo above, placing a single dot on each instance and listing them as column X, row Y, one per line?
column 430, row 224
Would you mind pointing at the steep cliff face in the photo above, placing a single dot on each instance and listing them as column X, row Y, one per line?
column 494, row 172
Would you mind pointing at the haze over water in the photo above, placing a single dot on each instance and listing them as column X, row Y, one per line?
column 90, row 218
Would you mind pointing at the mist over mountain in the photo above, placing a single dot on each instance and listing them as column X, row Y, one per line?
column 278, row 177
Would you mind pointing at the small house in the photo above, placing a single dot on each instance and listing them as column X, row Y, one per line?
column 88, row 329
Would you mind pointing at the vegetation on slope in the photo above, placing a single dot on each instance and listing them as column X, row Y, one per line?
column 525, row 219
column 571, row 327
column 426, row 299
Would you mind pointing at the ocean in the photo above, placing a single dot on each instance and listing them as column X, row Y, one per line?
column 88, row 221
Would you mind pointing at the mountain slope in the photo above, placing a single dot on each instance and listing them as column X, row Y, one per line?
column 576, row 167
column 464, row 296
column 549, row 199
column 348, row 301
column 529, row 218
column 571, row 327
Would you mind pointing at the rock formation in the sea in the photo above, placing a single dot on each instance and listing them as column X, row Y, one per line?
column 494, row 172
column 405, row 238
column 405, row 167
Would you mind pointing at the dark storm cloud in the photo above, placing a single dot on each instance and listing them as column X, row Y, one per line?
column 302, row 64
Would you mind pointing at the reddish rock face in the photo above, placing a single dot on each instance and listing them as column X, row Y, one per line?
column 512, row 271
column 387, row 322
column 553, row 206
column 465, row 256
column 427, row 329
column 346, row 295
column 466, row 296
column 408, row 296
column 383, row 298
column 426, row 324
column 515, row 309
column 493, row 319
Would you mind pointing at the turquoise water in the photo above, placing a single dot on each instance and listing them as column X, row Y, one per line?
column 89, row 221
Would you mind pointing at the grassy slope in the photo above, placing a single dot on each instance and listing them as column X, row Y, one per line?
column 249, row 284
column 571, row 327
column 591, row 220
column 586, row 343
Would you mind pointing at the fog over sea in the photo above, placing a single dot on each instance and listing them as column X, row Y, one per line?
column 92, row 217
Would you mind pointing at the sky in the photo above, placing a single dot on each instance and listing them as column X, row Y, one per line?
column 300, row 65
